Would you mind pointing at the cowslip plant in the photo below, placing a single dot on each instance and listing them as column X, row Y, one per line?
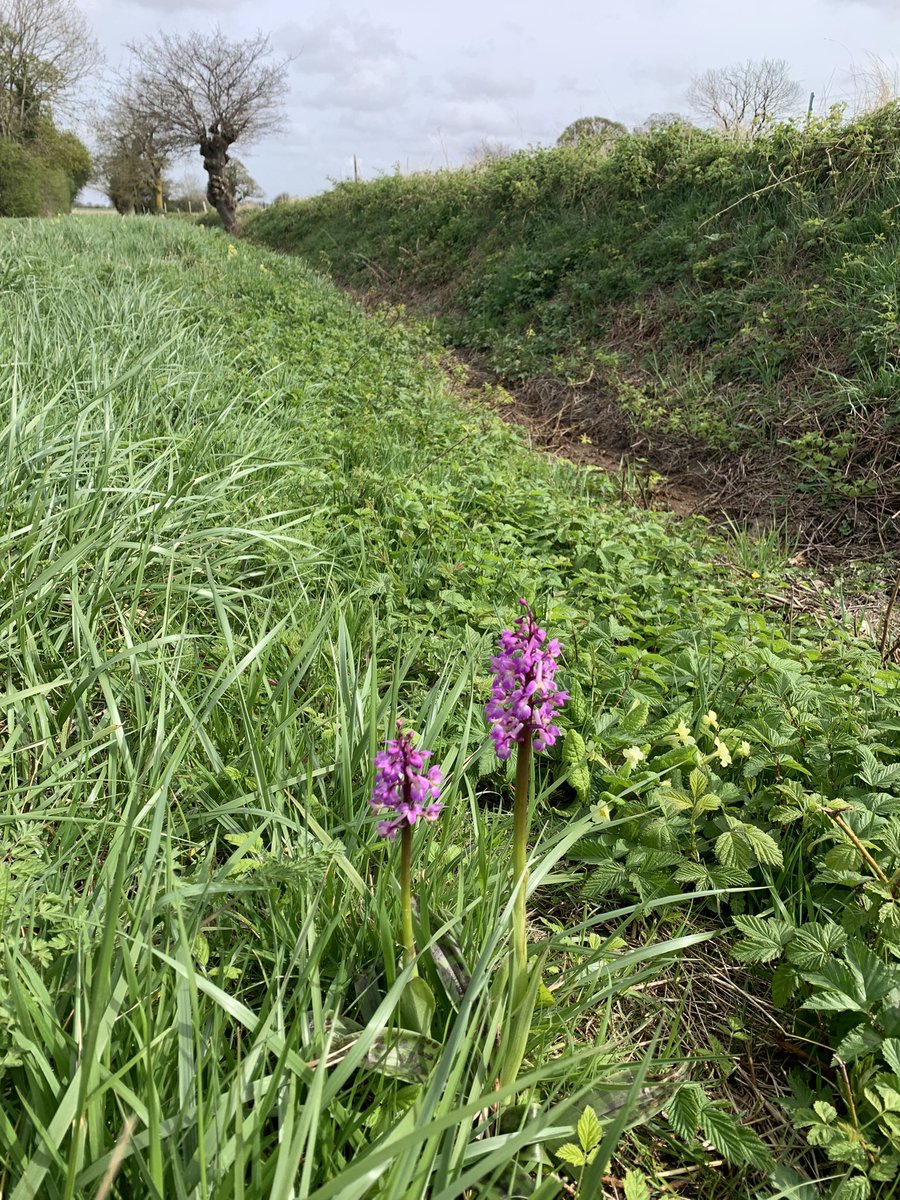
column 403, row 787
column 523, row 704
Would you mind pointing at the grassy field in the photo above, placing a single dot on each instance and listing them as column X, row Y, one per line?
column 247, row 526
column 730, row 306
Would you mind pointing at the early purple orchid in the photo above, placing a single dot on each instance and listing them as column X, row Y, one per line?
column 401, row 785
column 523, row 699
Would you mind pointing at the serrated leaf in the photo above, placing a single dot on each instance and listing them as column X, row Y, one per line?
column 636, row 1187
column 890, row 1049
column 858, row 1042
column 684, row 1109
column 589, row 1130
column 764, row 938
column 765, row 849
column 814, row 943
column 733, row 850
column 571, row 1154
column 574, row 761
column 854, row 1188
column 734, row 1142
column 636, row 717
column 784, row 984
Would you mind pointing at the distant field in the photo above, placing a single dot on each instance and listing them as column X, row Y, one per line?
column 246, row 527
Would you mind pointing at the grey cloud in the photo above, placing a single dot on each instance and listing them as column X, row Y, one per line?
column 174, row 6
column 485, row 118
column 478, row 85
column 338, row 44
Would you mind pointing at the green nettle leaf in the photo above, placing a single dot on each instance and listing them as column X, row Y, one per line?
column 574, row 761
column 858, row 1043
column 636, row 1187
column 577, row 705
column 698, row 781
column 734, row 1141
column 733, row 850
column 684, row 1109
column 636, row 717
column 572, row 1154
column 589, row 1130
column 764, row 938
column 875, row 773
column 784, row 984
column 814, row 943
column 764, row 847
column 890, row 1049
column 855, row 1188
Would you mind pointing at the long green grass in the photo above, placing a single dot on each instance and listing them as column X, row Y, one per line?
column 246, row 528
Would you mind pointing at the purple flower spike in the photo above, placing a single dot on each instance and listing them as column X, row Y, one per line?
column 400, row 784
column 523, row 699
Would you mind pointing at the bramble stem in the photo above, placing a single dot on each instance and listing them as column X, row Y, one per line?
column 406, row 921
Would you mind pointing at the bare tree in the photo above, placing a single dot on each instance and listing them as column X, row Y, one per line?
column 45, row 51
column 136, row 147
column 600, row 130
column 486, row 151
column 743, row 98
column 209, row 92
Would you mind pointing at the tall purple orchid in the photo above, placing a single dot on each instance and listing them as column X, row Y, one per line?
column 524, row 700
column 403, row 787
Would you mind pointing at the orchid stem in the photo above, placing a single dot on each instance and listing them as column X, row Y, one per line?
column 520, row 855
column 406, row 921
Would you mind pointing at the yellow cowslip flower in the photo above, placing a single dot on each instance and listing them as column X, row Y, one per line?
column 232, row 250
column 722, row 753
column 633, row 755
column 263, row 267
column 600, row 813
column 710, row 720
column 743, row 750
column 684, row 734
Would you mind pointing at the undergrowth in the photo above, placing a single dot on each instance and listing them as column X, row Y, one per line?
column 246, row 528
column 734, row 301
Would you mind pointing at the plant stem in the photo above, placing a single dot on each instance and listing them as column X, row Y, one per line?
column 848, row 832
column 406, row 922
column 520, row 854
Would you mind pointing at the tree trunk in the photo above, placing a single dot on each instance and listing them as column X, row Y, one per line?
column 158, row 191
column 215, row 159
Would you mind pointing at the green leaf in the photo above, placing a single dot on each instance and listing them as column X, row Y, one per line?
column 589, row 1129
column 636, row 717
column 891, row 1050
column 417, row 1006
column 861, row 1041
column 572, row 1155
column 636, row 1187
column 814, row 943
column 735, row 1142
column 764, row 938
column 684, row 1110
column 574, row 761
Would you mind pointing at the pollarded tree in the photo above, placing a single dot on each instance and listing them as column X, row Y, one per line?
column 45, row 51
column 745, row 97
column 243, row 186
column 600, row 130
column 209, row 92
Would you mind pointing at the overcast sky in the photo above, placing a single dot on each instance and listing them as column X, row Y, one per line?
column 419, row 84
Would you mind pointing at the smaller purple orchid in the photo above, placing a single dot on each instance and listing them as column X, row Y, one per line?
column 523, row 699
column 401, row 785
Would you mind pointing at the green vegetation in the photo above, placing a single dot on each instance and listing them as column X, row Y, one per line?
column 42, row 175
column 734, row 299
column 247, row 527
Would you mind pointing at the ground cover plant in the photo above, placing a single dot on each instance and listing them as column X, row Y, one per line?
column 248, row 528
column 722, row 301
